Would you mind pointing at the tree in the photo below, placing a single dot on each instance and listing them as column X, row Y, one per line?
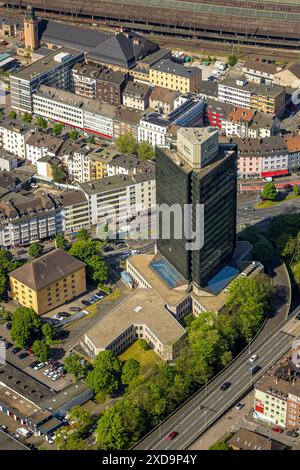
column 143, row 344
column 81, row 419
column 66, row 439
column 74, row 134
column 76, row 365
column 285, row 244
column 284, row 223
column 5, row 315
column 97, row 269
column 13, row 115
column 106, row 373
column 41, row 349
column 269, row 192
column 121, row 426
column 57, row 128
column 250, row 234
column 91, row 140
column 296, row 190
column 61, row 242
column 27, row 117
column 127, row 144
column 130, row 370
column 7, row 264
column 263, row 251
column 145, row 151
column 35, row 250
column 48, row 331
column 42, row 123
column 24, row 322
column 219, row 446
column 58, row 173
column 232, row 60
column 84, row 234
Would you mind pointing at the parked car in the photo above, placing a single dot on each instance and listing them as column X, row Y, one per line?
column 253, row 369
column 3, row 428
column 75, row 309
column 33, row 364
column 249, row 208
column 277, row 429
column 85, row 302
column 63, row 314
column 297, row 317
column 224, row 386
column 39, row 366
column 8, row 345
column 23, row 355
column 292, row 433
column 288, row 187
column 8, row 325
column 172, row 435
column 16, row 350
column 253, row 358
column 239, row 406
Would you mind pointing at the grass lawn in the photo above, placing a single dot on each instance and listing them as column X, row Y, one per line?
column 146, row 358
column 266, row 204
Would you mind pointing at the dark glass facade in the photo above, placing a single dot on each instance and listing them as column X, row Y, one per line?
column 215, row 186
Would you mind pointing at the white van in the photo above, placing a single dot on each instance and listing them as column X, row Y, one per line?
column 267, row 179
column 24, row 432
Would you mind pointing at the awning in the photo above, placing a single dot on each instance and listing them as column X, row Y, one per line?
column 274, row 173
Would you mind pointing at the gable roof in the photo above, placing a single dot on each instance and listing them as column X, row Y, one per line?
column 47, row 269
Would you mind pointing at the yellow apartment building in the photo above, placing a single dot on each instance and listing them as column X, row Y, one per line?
column 176, row 77
column 48, row 282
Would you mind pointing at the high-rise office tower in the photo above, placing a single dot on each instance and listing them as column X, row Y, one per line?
column 199, row 173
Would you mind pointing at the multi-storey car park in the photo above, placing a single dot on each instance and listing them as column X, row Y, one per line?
column 269, row 23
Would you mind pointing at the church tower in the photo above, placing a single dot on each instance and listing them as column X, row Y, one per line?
column 31, row 29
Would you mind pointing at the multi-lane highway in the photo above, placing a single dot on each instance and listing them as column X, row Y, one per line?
column 210, row 403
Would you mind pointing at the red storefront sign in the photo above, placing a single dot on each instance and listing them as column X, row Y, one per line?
column 259, row 407
column 274, row 173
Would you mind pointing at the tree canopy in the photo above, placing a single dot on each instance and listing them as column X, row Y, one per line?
column 76, row 365
column 57, row 128
column 80, row 419
column 41, row 349
column 126, row 144
column 89, row 251
column 24, row 321
column 61, row 242
column 35, row 250
column 263, row 251
column 130, row 370
column 58, row 173
column 106, row 373
column 145, row 151
column 269, row 192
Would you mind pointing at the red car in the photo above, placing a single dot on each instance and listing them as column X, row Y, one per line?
column 277, row 429
column 172, row 435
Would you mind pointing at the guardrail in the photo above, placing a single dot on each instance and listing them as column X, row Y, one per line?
column 214, row 382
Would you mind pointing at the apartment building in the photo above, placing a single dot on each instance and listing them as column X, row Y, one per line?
column 53, row 70
column 129, row 165
column 289, row 76
column 113, row 198
column 49, row 281
column 8, row 161
column 237, row 122
column 136, row 95
column 259, row 71
column 79, row 164
column 162, row 100
column 127, row 121
column 174, row 76
column 13, row 137
column 74, row 211
column 239, row 92
column 153, row 128
column 40, row 144
column 27, row 217
column 100, row 159
column 98, row 82
column 79, row 112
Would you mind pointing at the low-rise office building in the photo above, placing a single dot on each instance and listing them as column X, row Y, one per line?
column 70, row 109
column 289, row 76
column 49, row 281
column 53, row 70
column 174, row 76
column 142, row 315
column 259, row 71
column 153, row 128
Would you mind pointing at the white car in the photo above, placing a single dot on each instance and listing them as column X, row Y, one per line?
column 239, row 406
column 253, row 358
column 46, row 372
column 50, row 375
column 55, row 377
column 39, row 366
